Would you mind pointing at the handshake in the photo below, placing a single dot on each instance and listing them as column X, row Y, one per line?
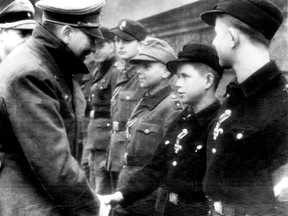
column 107, row 201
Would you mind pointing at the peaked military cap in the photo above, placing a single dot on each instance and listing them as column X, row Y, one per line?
column 83, row 14
column 130, row 30
column 263, row 16
column 19, row 14
column 107, row 33
column 155, row 50
column 197, row 53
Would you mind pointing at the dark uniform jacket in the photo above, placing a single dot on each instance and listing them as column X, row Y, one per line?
column 148, row 124
column 181, row 170
column 39, row 127
column 124, row 99
column 100, row 124
column 249, row 140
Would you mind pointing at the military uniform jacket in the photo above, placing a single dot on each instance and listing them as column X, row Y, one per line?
column 39, row 127
column 148, row 124
column 249, row 140
column 100, row 101
column 124, row 99
column 180, row 167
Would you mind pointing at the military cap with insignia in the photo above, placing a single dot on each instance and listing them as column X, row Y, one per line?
column 130, row 30
column 263, row 16
column 78, row 14
column 155, row 50
column 19, row 14
column 197, row 53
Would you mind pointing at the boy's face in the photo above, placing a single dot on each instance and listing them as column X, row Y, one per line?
column 150, row 73
column 127, row 50
column 191, row 84
column 221, row 42
column 104, row 50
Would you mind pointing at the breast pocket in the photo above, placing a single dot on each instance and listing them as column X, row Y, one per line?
column 148, row 135
column 127, row 102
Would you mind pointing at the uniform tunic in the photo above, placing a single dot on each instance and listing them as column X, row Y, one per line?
column 124, row 99
column 248, row 142
column 181, row 170
column 145, row 130
column 39, row 124
column 100, row 123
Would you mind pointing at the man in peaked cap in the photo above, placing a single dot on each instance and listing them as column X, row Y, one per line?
column 41, row 109
column 16, row 25
column 179, row 161
column 247, row 147
column 129, row 35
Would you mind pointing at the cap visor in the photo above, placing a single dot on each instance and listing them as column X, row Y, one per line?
column 209, row 17
column 172, row 65
column 123, row 35
column 140, row 58
column 94, row 32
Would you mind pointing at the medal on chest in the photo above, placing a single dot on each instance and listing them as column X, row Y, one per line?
column 223, row 117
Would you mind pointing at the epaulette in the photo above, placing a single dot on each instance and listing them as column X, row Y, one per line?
column 177, row 103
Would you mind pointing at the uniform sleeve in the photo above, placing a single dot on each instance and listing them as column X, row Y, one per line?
column 148, row 179
column 34, row 112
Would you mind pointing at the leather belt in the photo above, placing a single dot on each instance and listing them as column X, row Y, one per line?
column 119, row 126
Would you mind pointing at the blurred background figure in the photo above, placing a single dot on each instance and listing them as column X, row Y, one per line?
column 128, row 40
column 99, row 89
column 16, row 25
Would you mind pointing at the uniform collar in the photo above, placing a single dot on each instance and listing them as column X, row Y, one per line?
column 257, row 80
column 207, row 114
column 65, row 59
column 151, row 101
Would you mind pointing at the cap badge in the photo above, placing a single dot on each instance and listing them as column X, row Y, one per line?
column 123, row 25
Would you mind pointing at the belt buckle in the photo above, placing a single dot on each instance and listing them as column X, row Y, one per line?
column 173, row 198
column 218, row 208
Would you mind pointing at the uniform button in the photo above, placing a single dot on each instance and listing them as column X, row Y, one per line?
column 174, row 96
column 101, row 87
column 167, row 142
column 146, row 131
column 108, row 124
column 213, row 150
column 227, row 112
column 66, row 97
column 239, row 136
column 92, row 95
column 177, row 104
column 174, row 163
column 127, row 97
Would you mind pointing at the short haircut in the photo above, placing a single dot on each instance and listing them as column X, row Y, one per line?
column 204, row 69
column 251, row 33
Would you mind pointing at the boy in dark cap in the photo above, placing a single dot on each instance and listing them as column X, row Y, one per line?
column 16, row 25
column 129, row 35
column 99, row 101
column 247, row 147
column 179, row 161
column 41, row 106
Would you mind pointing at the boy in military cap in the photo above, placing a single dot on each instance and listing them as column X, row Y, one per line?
column 99, row 101
column 129, row 35
column 41, row 106
column 247, row 146
column 16, row 25
column 180, row 158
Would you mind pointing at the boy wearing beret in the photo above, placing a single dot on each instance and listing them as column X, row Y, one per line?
column 41, row 107
column 247, row 145
column 179, row 161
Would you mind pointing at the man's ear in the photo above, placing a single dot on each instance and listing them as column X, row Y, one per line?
column 166, row 74
column 65, row 34
column 234, row 35
column 209, row 80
